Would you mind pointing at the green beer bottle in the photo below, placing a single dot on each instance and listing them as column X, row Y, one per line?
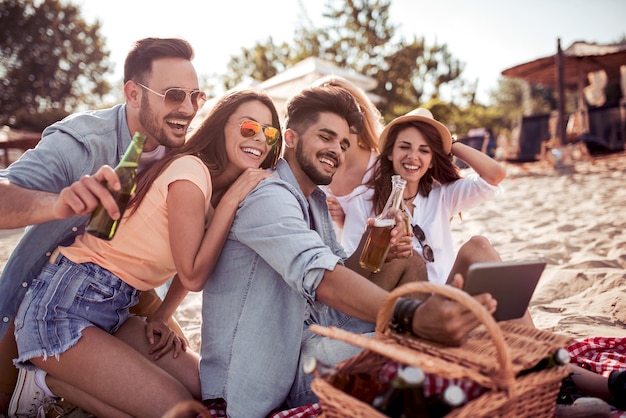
column 442, row 404
column 100, row 224
column 558, row 358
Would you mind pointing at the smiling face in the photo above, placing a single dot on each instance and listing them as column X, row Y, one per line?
column 246, row 152
column 411, row 156
column 167, row 123
column 319, row 150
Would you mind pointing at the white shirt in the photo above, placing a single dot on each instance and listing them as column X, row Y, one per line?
column 432, row 214
column 350, row 235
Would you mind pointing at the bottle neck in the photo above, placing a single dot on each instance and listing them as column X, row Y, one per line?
column 133, row 152
column 395, row 197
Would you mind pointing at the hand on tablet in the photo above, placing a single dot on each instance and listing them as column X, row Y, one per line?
column 485, row 299
column 446, row 321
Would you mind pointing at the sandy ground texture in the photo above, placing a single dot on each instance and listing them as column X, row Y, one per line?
column 573, row 217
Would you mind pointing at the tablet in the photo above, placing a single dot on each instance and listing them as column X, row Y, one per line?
column 511, row 283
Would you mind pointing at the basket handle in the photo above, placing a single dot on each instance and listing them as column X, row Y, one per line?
column 506, row 377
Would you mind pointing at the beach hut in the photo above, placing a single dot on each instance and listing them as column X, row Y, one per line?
column 602, row 125
column 289, row 82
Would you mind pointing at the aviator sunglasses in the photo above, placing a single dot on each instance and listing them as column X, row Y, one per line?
column 250, row 128
column 176, row 96
column 421, row 237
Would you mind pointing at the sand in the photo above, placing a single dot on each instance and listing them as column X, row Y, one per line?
column 574, row 217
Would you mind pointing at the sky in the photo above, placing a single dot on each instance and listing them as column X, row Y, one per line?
column 488, row 36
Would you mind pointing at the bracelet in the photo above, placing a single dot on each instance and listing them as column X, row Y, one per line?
column 454, row 141
column 403, row 312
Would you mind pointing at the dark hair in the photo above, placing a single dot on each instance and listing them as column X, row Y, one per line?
column 443, row 169
column 304, row 108
column 207, row 141
column 138, row 64
column 372, row 119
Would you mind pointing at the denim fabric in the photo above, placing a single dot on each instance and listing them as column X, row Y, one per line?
column 68, row 150
column 261, row 293
column 62, row 301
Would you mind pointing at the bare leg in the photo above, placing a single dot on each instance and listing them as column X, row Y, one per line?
column 398, row 272
column 394, row 273
column 590, row 383
column 114, row 373
column 479, row 250
column 184, row 368
column 82, row 399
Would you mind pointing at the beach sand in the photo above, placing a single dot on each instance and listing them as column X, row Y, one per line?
column 575, row 218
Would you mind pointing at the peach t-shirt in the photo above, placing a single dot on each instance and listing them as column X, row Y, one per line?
column 140, row 252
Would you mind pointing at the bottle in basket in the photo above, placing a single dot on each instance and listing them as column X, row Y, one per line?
column 362, row 386
column 558, row 358
column 100, row 224
column 377, row 243
column 405, row 396
column 440, row 405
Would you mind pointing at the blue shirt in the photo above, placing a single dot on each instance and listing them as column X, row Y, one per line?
column 261, row 292
column 76, row 146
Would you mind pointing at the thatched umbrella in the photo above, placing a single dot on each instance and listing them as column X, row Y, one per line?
column 568, row 69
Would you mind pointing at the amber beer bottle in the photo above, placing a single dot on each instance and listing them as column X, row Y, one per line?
column 405, row 396
column 362, row 386
column 100, row 224
column 440, row 405
column 377, row 243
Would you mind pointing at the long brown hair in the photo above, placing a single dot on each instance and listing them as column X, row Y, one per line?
column 207, row 141
column 443, row 169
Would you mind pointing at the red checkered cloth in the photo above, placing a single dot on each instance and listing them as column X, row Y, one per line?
column 217, row 409
column 599, row 354
column 305, row 411
column 433, row 384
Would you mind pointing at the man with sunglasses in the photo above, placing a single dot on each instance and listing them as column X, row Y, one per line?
column 281, row 270
column 73, row 158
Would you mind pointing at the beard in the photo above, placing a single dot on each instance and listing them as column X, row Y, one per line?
column 308, row 167
column 153, row 127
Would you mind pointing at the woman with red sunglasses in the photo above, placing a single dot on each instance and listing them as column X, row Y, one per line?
column 176, row 224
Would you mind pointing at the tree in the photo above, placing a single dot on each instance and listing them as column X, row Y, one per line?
column 358, row 37
column 51, row 60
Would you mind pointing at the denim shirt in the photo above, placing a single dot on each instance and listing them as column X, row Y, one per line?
column 308, row 244
column 76, row 146
column 261, row 290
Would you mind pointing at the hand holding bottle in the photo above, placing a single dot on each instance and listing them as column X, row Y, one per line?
column 401, row 243
column 379, row 237
column 83, row 196
column 103, row 224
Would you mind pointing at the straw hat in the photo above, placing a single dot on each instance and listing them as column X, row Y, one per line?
column 420, row 115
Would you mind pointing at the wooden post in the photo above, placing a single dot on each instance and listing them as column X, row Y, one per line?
column 560, row 136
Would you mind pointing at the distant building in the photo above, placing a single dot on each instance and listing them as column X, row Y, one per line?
column 282, row 86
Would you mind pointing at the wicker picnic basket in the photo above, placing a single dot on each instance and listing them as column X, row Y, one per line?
column 491, row 357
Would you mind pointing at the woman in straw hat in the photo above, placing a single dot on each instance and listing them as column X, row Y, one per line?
column 420, row 150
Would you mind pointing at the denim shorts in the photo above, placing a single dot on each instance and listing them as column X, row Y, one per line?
column 62, row 301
